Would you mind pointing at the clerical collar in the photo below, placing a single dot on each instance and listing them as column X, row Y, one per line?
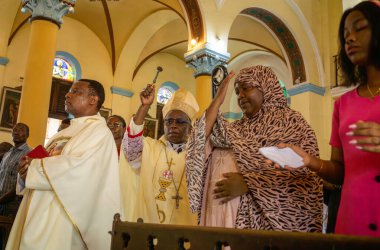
column 177, row 147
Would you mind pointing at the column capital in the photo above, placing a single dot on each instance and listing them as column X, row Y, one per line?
column 4, row 60
column 52, row 10
column 204, row 60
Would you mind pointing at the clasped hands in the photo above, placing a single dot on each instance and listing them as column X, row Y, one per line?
column 366, row 136
column 23, row 167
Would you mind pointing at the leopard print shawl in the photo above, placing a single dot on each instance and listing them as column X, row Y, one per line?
column 277, row 199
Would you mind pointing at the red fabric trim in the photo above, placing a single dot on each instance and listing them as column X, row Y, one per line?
column 376, row 2
column 134, row 136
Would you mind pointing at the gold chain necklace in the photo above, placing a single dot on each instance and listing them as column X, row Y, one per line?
column 164, row 181
column 373, row 94
column 177, row 197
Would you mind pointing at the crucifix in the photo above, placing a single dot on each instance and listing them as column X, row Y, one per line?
column 177, row 197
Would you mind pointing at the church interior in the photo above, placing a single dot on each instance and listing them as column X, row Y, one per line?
column 47, row 45
column 121, row 43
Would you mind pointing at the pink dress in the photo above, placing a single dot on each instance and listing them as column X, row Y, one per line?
column 214, row 214
column 359, row 211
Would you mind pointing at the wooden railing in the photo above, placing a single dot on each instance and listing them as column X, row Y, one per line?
column 136, row 236
column 5, row 225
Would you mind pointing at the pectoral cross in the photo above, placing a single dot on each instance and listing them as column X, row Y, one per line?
column 177, row 197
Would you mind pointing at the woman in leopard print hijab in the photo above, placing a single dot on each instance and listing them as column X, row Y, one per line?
column 270, row 198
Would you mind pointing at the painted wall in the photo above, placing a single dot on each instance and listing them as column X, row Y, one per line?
column 8, row 12
column 169, row 34
column 74, row 38
column 174, row 70
column 317, row 110
column 133, row 48
column 218, row 21
column 252, row 30
column 324, row 28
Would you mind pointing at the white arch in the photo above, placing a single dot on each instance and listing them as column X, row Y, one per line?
column 219, row 19
column 252, row 58
column 279, row 44
column 134, row 46
column 311, row 38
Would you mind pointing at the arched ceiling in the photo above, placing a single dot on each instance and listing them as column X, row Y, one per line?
column 113, row 21
column 285, row 37
column 120, row 23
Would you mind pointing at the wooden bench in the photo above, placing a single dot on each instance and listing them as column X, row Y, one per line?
column 5, row 225
column 135, row 236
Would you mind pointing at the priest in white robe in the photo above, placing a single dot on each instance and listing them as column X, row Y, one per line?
column 70, row 198
column 153, row 171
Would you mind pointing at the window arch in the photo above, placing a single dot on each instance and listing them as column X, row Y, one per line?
column 165, row 92
column 66, row 70
column 62, row 69
column 72, row 61
column 163, row 95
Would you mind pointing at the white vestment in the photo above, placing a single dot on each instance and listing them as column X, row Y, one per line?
column 77, row 190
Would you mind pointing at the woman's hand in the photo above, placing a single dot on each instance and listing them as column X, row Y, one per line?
column 23, row 167
column 311, row 162
column 212, row 110
column 306, row 158
column 232, row 186
column 368, row 136
column 222, row 90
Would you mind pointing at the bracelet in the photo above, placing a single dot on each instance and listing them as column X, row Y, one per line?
column 320, row 168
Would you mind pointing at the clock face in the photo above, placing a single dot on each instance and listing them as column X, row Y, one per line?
column 218, row 74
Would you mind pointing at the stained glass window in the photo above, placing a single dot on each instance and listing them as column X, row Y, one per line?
column 163, row 95
column 63, row 70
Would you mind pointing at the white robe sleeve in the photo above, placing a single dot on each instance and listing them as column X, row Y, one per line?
column 35, row 178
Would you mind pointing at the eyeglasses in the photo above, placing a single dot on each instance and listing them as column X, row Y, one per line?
column 114, row 125
column 178, row 121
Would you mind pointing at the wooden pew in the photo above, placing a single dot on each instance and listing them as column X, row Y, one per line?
column 5, row 225
column 136, row 236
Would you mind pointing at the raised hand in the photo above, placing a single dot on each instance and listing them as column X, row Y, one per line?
column 146, row 98
column 366, row 136
column 147, row 95
column 221, row 94
column 212, row 111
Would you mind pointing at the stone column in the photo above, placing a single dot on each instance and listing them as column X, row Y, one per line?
column 203, row 61
column 34, row 105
